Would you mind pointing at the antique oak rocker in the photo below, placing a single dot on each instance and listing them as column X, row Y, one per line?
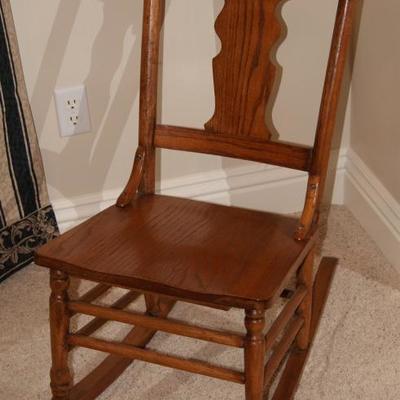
column 173, row 249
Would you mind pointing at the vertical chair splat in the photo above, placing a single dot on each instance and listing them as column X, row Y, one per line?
column 244, row 73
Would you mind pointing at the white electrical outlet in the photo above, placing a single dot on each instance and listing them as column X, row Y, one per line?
column 73, row 111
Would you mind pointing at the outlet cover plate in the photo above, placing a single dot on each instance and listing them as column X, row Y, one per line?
column 72, row 110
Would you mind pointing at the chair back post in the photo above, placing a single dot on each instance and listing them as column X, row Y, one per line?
column 341, row 41
column 152, row 22
column 143, row 173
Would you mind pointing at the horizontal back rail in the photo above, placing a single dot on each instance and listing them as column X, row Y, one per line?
column 200, row 141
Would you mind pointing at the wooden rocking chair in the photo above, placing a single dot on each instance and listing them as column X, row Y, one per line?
column 173, row 249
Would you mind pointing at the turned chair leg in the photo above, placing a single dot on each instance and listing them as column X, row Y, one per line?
column 254, row 354
column 153, row 304
column 60, row 375
column 305, row 278
column 157, row 306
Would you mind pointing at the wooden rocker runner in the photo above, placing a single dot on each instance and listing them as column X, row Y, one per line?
column 172, row 249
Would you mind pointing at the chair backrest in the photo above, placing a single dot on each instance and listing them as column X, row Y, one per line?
column 244, row 76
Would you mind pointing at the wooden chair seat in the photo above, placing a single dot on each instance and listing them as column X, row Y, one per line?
column 184, row 248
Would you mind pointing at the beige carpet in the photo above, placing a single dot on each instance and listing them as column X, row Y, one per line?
column 356, row 353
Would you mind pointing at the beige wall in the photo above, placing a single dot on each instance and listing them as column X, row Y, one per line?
column 97, row 42
column 376, row 86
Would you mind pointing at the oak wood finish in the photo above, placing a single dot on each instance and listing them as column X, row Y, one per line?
column 134, row 180
column 91, row 386
column 254, row 353
column 305, row 279
column 94, row 293
column 244, row 73
column 284, row 317
column 341, row 40
column 123, row 350
column 200, row 141
column 292, row 373
column 177, row 249
column 153, row 14
column 110, row 369
column 227, row 255
column 155, row 323
column 309, row 218
column 60, row 374
column 208, row 304
column 282, row 349
column 96, row 323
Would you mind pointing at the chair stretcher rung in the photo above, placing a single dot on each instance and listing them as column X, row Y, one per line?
column 294, row 368
column 94, row 293
column 166, row 325
column 123, row 350
column 97, row 322
column 284, row 317
column 281, row 349
column 99, row 379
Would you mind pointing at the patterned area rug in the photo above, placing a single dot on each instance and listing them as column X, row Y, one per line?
column 26, row 218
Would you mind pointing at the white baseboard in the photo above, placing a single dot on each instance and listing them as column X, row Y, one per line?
column 254, row 186
column 274, row 189
column 374, row 207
